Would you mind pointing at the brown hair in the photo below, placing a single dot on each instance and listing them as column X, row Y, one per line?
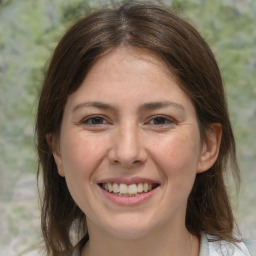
column 154, row 28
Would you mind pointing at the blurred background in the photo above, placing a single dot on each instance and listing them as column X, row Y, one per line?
column 29, row 31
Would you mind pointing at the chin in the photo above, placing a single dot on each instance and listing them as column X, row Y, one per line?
column 130, row 227
column 129, row 233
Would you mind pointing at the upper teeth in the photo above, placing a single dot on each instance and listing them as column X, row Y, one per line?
column 132, row 189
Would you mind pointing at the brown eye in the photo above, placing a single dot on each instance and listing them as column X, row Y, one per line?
column 94, row 120
column 161, row 120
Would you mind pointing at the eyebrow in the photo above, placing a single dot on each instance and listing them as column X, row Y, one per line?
column 157, row 105
column 96, row 104
column 145, row 107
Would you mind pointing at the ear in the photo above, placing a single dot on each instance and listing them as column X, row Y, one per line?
column 210, row 147
column 56, row 152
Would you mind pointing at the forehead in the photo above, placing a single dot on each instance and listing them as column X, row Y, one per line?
column 127, row 56
column 127, row 75
column 131, row 66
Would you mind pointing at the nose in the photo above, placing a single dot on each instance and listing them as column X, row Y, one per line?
column 127, row 147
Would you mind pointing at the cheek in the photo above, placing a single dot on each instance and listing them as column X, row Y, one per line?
column 81, row 157
column 81, row 154
column 177, row 156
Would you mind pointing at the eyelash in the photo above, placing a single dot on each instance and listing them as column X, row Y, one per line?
column 157, row 121
column 89, row 121
column 161, row 118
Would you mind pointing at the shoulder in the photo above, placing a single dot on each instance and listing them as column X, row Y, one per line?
column 247, row 247
column 251, row 245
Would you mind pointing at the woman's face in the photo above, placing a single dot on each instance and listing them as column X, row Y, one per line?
column 129, row 128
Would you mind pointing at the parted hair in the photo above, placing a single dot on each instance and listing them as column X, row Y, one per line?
column 152, row 27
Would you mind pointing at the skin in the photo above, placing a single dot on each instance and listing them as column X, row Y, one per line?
column 131, row 138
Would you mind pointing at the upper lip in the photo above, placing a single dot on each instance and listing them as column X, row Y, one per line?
column 128, row 180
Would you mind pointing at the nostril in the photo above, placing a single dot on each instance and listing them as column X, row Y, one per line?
column 126, row 164
column 127, row 151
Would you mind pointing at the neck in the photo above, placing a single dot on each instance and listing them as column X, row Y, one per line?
column 165, row 243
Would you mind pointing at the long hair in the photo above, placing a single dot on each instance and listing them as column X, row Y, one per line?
column 183, row 50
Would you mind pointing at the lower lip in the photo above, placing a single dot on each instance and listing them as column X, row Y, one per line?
column 129, row 200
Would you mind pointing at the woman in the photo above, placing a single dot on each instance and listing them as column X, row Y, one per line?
column 134, row 139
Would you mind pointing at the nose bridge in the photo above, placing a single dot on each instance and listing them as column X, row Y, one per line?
column 128, row 148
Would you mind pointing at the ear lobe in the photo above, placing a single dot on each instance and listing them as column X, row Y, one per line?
column 210, row 148
column 56, row 152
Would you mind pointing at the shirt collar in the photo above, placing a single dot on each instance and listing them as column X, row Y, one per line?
column 204, row 247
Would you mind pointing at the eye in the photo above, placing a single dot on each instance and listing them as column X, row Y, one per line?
column 161, row 121
column 94, row 121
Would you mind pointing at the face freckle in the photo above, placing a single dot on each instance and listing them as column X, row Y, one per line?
column 130, row 123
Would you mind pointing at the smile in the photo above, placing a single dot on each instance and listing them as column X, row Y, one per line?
column 128, row 189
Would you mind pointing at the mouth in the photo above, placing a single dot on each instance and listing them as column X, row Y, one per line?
column 128, row 190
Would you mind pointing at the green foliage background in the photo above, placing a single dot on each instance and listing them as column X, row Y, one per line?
column 29, row 31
